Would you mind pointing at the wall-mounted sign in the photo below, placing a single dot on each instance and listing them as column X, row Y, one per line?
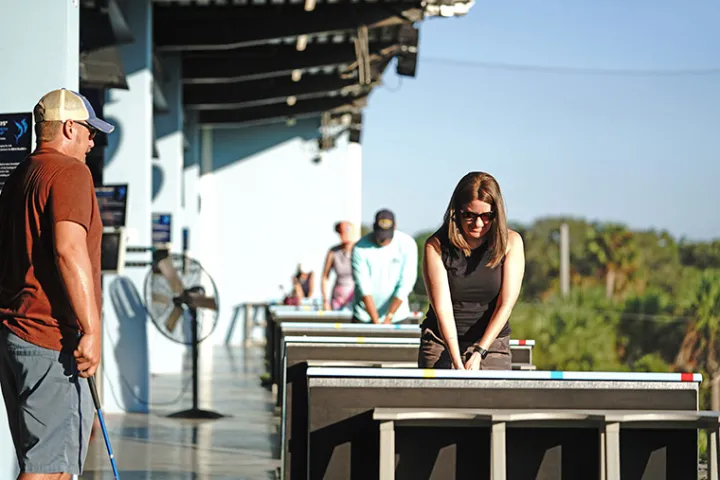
column 15, row 142
column 161, row 228
column 112, row 200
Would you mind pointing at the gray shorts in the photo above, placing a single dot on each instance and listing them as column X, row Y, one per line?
column 433, row 354
column 49, row 408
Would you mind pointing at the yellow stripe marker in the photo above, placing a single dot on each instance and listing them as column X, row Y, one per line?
column 360, row 339
column 428, row 373
column 337, row 325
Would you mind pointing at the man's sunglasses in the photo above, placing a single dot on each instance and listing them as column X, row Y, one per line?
column 93, row 131
column 471, row 217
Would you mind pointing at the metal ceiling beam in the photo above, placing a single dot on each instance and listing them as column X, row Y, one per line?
column 301, row 109
column 269, row 61
column 267, row 92
column 187, row 28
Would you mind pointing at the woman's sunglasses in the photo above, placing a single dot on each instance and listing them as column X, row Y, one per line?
column 471, row 217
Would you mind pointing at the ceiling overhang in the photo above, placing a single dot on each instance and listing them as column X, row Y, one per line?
column 246, row 62
column 282, row 113
column 207, row 28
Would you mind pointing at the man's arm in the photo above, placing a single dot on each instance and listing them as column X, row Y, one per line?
column 73, row 262
column 70, row 206
column 311, row 284
column 325, row 280
column 363, row 283
column 406, row 282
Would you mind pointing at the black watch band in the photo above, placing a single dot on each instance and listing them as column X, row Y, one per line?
column 483, row 353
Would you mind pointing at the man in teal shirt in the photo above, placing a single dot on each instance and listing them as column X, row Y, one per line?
column 384, row 266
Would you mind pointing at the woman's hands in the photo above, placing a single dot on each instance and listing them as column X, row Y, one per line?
column 473, row 362
column 458, row 364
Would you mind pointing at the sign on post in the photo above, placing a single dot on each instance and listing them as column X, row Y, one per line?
column 15, row 142
column 161, row 228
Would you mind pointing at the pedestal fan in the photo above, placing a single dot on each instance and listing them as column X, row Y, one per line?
column 181, row 299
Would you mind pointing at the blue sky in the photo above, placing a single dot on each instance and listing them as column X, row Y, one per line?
column 641, row 150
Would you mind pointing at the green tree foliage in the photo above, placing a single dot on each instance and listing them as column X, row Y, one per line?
column 573, row 334
column 613, row 252
column 700, row 255
column 700, row 348
column 542, row 255
column 420, row 239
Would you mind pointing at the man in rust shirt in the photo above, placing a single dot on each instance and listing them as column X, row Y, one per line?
column 50, row 237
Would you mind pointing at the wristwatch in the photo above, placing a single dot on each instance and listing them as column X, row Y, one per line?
column 483, row 353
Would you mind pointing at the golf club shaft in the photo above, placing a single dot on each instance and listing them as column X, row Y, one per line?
column 98, row 407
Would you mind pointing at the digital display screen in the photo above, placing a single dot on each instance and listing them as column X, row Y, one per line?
column 110, row 251
column 112, row 200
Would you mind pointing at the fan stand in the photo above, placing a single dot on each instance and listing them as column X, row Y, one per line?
column 195, row 412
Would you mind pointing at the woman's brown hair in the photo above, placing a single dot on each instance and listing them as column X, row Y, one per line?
column 478, row 186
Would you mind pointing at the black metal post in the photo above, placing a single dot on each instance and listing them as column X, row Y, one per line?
column 195, row 353
column 195, row 412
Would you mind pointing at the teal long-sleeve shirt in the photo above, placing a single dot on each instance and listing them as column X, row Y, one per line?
column 384, row 272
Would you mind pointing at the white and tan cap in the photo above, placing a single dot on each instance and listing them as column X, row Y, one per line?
column 60, row 105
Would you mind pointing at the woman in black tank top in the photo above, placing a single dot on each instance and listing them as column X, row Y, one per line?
column 473, row 269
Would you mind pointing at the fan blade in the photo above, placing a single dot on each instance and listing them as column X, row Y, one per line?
column 161, row 298
column 167, row 268
column 172, row 320
column 204, row 302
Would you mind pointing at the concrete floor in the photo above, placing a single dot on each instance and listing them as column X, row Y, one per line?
column 242, row 446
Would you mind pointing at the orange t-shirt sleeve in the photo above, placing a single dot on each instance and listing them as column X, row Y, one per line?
column 70, row 197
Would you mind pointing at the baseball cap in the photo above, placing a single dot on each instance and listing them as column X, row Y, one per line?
column 384, row 226
column 62, row 104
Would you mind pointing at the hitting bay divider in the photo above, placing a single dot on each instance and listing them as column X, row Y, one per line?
column 278, row 315
column 303, row 352
column 609, row 426
column 521, row 349
column 344, row 429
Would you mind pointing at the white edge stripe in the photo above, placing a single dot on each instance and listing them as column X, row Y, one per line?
column 330, row 314
column 499, row 374
column 290, row 326
column 345, row 340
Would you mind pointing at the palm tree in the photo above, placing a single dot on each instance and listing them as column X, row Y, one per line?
column 613, row 249
column 699, row 348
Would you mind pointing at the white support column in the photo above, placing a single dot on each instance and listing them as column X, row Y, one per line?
column 126, row 353
column 33, row 65
column 167, row 176
column 387, row 450
column 612, row 450
column 498, row 455
column 712, row 451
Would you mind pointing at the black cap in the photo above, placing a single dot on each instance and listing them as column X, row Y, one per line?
column 384, row 226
